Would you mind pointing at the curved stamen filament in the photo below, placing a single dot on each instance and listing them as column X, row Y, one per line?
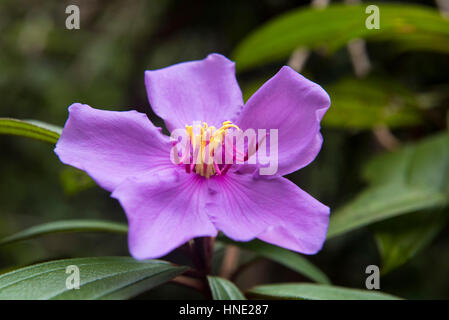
column 205, row 142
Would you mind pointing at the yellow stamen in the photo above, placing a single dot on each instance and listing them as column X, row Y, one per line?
column 211, row 138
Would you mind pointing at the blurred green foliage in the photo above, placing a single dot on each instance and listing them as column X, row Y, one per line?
column 277, row 39
column 44, row 68
column 412, row 179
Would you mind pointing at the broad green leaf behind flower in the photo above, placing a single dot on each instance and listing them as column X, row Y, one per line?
column 100, row 278
column 408, row 180
column 304, row 27
column 401, row 238
column 305, row 291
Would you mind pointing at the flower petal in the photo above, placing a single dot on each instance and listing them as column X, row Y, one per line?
column 295, row 106
column 274, row 210
column 111, row 145
column 204, row 90
column 164, row 211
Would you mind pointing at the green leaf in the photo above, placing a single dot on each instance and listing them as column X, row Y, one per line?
column 100, row 278
column 285, row 257
column 380, row 203
column 304, row 27
column 367, row 103
column 408, row 180
column 223, row 289
column 31, row 129
column 424, row 164
column 402, row 238
column 74, row 181
column 66, row 226
column 421, row 42
column 304, row 291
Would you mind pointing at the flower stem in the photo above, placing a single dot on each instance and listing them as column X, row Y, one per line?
column 202, row 250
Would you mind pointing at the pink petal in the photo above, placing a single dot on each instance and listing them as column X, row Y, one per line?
column 295, row 106
column 275, row 210
column 164, row 211
column 111, row 146
column 203, row 90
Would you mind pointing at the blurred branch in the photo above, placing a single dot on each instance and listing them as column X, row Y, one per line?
column 443, row 7
column 191, row 283
column 300, row 55
column 356, row 48
column 359, row 57
column 230, row 261
column 357, row 52
column 298, row 59
column 243, row 267
column 385, row 138
column 319, row 4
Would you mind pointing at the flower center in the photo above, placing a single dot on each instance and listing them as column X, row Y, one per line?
column 206, row 149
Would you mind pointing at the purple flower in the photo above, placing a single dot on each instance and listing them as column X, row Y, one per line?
column 166, row 204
